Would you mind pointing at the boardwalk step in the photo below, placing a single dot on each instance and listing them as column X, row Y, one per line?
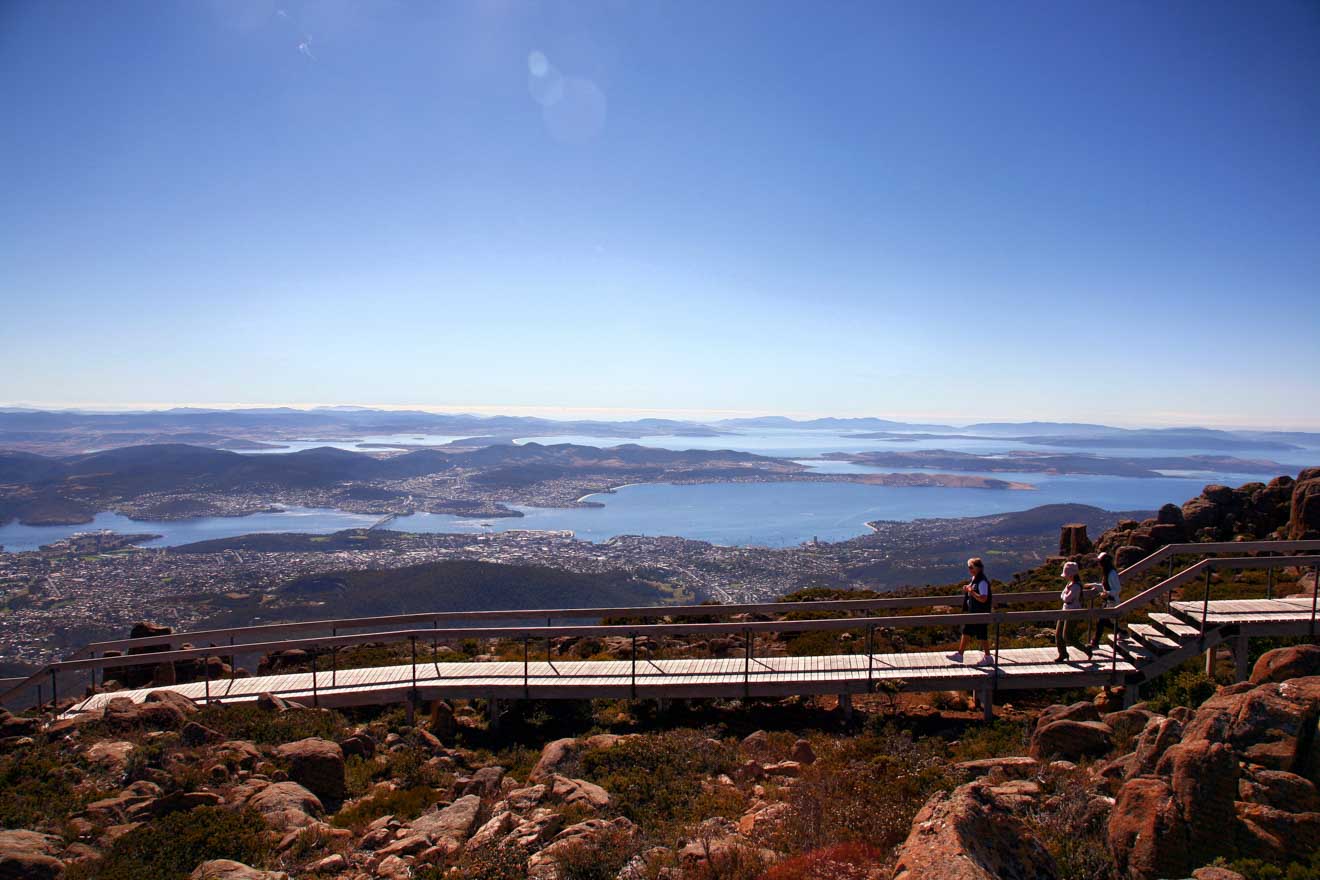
column 1174, row 627
column 1135, row 652
column 1153, row 639
column 1186, row 614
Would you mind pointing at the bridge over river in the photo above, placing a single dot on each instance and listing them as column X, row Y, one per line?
column 1163, row 632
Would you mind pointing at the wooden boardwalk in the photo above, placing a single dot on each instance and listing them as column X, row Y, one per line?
column 1161, row 640
column 695, row 678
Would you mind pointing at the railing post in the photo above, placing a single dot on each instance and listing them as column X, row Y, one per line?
column 54, row 690
column 1269, row 584
column 316, row 696
column 996, row 666
column 206, row 671
column 334, row 659
column 1205, row 605
column 870, row 658
column 747, row 664
column 1315, row 594
column 526, row 662
column 634, row 666
column 413, row 642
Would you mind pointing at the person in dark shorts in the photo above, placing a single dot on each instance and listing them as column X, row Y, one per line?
column 977, row 598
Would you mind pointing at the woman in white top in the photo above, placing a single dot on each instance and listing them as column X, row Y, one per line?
column 1071, row 596
column 1111, row 595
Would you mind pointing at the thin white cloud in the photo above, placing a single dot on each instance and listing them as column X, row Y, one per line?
column 305, row 47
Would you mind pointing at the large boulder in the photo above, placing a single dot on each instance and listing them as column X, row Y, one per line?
column 1071, row 740
column 1304, row 512
column 1147, row 833
column 1282, row 664
column 557, row 757
column 1204, row 779
column 13, row 725
column 287, row 805
column 454, row 822
column 317, row 764
column 225, row 869
column 966, row 835
column 29, row 855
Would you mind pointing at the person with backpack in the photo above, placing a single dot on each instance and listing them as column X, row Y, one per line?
column 1111, row 594
column 1071, row 596
column 977, row 598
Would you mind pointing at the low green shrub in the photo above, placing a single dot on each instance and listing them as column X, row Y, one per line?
column 170, row 848
column 996, row 740
column 1188, row 686
column 39, row 782
column 656, row 779
column 599, row 859
column 248, row 722
column 406, row 803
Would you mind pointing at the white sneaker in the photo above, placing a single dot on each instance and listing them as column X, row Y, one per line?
column 986, row 660
column 956, row 656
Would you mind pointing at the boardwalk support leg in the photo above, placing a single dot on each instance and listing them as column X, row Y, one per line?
column 1241, row 666
column 987, row 697
column 846, row 706
column 493, row 713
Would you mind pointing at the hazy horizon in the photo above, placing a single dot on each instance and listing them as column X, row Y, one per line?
column 621, row 414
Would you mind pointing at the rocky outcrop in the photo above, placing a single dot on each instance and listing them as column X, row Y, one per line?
column 967, row 835
column 1282, row 508
column 1235, row 778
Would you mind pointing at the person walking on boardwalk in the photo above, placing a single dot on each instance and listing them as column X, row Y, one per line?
column 1111, row 593
column 977, row 598
column 1072, row 600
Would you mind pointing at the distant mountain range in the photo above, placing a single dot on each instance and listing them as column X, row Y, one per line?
column 70, row 431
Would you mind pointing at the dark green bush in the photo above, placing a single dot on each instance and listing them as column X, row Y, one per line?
column 171, row 847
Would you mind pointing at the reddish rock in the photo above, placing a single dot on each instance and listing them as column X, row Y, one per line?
column 1204, row 779
column 1147, row 834
column 966, row 835
column 1279, row 789
column 1304, row 513
column 1282, row 664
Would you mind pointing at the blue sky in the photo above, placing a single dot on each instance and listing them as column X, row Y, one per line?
column 1099, row 211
